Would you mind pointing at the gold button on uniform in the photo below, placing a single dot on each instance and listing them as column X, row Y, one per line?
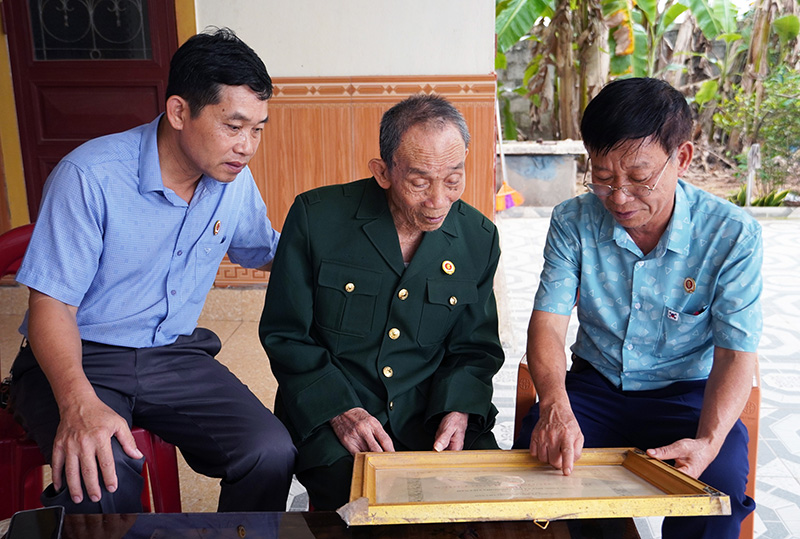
column 388, row 372
column 394, row 333
column 349, row 287
column 453, row 300
column 391, row 405
column 403, row 294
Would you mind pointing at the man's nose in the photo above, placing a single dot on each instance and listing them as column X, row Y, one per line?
column 438, row 195
column 246, row 145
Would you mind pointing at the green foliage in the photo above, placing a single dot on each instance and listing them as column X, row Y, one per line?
column 713, row 20
column 787, row 28
column 774, row 122
column 707, row 92
column 515, row 18
column 773, row 198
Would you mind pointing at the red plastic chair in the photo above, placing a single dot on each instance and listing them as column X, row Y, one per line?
column 21, row 461
column 12, row 248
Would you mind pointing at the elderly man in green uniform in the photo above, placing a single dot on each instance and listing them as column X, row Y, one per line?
column 380, row 321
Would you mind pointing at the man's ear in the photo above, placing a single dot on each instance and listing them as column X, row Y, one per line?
column 177, row 111
column 381, row 172
column 684, row 153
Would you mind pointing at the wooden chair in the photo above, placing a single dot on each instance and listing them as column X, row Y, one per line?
column 21, row 461
column 526, row 397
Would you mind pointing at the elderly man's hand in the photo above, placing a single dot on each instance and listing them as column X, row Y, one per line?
column 557, row 439
column 82, row 442
column 691, row 456
column 360, row 431
column 451, row 431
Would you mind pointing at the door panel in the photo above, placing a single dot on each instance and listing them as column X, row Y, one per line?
column 81, row 69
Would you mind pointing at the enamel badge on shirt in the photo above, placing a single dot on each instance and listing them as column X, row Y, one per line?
column 448, row 267
column 217, row 226
column 689, row 285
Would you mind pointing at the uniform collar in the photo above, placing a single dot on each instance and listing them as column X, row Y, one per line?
column 374, row 204
column 381, row 231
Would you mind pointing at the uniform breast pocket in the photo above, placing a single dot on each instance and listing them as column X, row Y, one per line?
column 444, row 300
column 345, row 298
column 682, row 333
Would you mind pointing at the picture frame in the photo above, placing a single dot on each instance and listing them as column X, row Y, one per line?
column 468, row 486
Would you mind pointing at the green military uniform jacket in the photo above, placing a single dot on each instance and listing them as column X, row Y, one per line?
column 347, row 325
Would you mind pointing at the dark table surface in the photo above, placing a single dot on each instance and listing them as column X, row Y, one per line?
column 321, row 525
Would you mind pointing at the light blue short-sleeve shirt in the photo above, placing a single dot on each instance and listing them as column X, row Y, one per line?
column 135, row 258
column 646, row 321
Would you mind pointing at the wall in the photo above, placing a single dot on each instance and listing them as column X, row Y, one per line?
column 323, row 38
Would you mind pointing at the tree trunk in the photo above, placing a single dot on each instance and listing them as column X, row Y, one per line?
column 592, row 53
column 683, row 43
column 565, row 71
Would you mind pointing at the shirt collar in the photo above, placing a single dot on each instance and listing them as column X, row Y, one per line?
column 150, row 179
column 149, row 166
column 676, row 238
column 679, row 230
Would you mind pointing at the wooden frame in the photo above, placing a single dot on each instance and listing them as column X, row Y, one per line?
column 655, row 488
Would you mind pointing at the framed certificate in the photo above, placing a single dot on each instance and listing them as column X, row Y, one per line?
column 419, row 486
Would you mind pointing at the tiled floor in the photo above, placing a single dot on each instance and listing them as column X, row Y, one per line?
column 233, row 314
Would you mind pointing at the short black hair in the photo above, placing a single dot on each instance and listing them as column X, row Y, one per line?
column 417, row 109
column 636, row 108
column 211, row 59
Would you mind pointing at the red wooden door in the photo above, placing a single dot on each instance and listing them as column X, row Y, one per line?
column 81, row 69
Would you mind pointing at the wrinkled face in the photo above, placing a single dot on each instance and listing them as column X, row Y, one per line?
column 639, row 162
column 427, row 177
column 222, row 139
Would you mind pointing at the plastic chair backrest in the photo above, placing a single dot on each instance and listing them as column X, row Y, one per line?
column 12, row 248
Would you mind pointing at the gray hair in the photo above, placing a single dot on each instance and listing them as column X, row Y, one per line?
column 417, row 109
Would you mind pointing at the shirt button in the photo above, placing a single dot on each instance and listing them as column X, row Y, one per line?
column 453, row 300
column 349, row 287
column 403, row 294
column 391, row 405
column 638, row 306
column 180, row 253
column 394, row 334
column 629, row 346
column 388, row 372
column 173, row 292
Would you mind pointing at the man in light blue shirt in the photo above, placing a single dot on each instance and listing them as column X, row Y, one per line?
column 130, row 234
column 666, row 280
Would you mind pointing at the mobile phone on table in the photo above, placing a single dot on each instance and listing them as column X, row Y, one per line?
column 44, row 523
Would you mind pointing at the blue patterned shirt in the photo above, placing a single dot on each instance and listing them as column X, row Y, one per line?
column 135, row 258
column 646, row 321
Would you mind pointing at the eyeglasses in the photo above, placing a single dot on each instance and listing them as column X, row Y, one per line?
column 633, row 190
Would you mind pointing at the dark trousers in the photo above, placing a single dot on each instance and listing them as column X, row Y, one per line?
column 610, row 417
column 185, row 396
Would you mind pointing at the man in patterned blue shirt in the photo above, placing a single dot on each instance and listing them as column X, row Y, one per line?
column 666, row 280
column 130, row 234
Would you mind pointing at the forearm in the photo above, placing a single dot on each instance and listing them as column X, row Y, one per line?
column 727, row 390
column 547, row 361
column 54, row 337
